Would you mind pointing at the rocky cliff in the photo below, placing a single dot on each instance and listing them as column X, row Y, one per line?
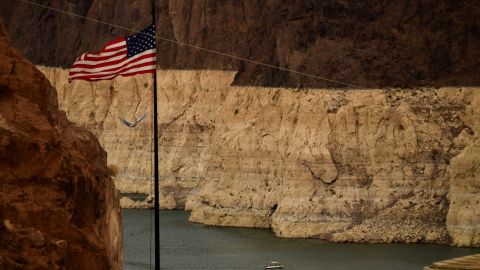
column 58, row 206
column 184, row 143
column 463, row 220
column 364, row 165
column 369, row 43
column 370, row 165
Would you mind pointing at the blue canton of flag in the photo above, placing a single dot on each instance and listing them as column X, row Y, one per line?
column 141, row 42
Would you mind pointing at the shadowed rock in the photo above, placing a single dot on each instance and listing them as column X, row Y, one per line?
column 58, row 205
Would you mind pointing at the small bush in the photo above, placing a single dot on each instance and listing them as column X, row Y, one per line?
column 112, row 170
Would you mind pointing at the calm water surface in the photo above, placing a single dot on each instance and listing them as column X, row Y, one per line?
column 185, row 245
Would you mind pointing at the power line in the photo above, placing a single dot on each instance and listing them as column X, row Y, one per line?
column 196, row 47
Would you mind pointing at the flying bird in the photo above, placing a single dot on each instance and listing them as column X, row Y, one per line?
column 135, row 123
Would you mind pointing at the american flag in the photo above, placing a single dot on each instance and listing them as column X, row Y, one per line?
column 127, row 56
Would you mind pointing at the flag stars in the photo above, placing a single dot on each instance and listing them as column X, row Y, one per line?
column 141, row 42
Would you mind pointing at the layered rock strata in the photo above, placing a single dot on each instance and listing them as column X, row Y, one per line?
column 463, row 219
column 369, row 43
column 342, row 165
column 184, row 146
column 58, row 206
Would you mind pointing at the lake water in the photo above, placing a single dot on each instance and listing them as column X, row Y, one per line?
column 185, row 246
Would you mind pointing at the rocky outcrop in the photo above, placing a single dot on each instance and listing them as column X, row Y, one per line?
column 463, row 220
column 323, row 164
column 99, row 107
column 58, row 206
column 126, row 202
column 369, row 43
column 362, row 165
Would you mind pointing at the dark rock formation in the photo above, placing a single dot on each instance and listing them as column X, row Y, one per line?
column 58, row 205
column 369, row 43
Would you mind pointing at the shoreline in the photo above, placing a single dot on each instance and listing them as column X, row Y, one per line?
column 141, row 205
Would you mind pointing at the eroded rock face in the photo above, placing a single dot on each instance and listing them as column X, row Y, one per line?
column 463, row 220
column 363, row 165
column 58, row 206
column 369, row 43
column 186, row 126
column 99, row 107
column 318, row 163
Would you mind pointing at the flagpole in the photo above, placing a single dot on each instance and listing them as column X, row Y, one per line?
column 155, row 147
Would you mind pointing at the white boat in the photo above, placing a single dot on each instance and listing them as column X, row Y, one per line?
column 274, row 265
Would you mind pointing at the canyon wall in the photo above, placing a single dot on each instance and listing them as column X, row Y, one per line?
column 373, row 44
column 186, row 125
column 463, row 220
column 58, row 206
column 248, row 145
column 343, row 165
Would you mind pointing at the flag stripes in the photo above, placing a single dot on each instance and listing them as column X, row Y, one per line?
column 114, row 60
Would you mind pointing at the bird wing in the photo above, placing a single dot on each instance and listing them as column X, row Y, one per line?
column 140, row 118
column 126, row 123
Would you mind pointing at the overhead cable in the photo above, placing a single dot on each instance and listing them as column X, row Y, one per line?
column 195, row 47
